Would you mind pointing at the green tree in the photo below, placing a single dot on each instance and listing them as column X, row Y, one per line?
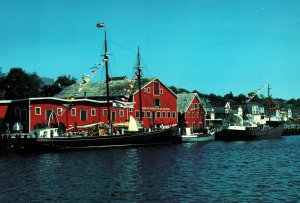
column 65, row 80
column 20, row 85
column 2, row 83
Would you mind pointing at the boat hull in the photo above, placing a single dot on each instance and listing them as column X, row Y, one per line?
column 197, row 138
column 249, row 134
column 167, row 136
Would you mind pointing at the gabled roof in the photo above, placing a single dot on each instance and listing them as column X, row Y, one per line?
column 98, row 89
column 185, row 100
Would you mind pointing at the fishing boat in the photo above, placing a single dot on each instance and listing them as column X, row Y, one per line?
column 48, row 139
column 241, row 130
column 197, row 137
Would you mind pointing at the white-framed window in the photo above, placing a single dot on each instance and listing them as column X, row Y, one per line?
column 195, row 106
column 193, row 115
column 83, row 115
column 169, row 114
column 174, row 114
column 59, row 111
column 137, row 114
column 157, row 103
column 49, row 114
column 130, row 110
column 37, row 110
column 93, row 112
column 158, row 114
column 105, row 112
column 161, row 91
column 163, row 114
column 148, row 114
column 156, row 88
column 188, row 114
column 73, row 111
column 121, row 112
column 148, row 89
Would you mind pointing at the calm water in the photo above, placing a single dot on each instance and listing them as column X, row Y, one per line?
column 256, row 171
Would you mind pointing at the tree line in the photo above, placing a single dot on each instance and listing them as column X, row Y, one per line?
column 18, row 84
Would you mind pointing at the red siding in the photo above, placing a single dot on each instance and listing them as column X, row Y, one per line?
column 167, row 103
column 195, row 116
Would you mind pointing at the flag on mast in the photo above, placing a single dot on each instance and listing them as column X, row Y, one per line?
column 100, row 25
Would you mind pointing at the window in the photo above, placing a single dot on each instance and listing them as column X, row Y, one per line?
column 174, row 114
column 130, row 110
column 105, row 112
column 148, row 114
column 83, row 115
column 143, row 114
column 49, row 114
column 93, row 112
column 161, row 91
column 158, row 114
column 193, row 115
column 113, row 116
column 169, row 114
column 149, row 90
column 156, row 88
column 121, row 112
column 188, row 114
column 163, row 114
column 37, row 110
column 195, row 106
column 73, row 112
column 157, row 103
column 59, row 111
column 137, row 114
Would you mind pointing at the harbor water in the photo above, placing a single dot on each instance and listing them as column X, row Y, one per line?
column 216, row 171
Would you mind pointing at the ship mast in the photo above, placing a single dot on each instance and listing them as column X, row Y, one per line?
column 269, row 104
column 107, row 85
column 101, row 25
column 139, row 70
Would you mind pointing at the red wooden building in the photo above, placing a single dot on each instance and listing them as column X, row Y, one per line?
column 190, row 111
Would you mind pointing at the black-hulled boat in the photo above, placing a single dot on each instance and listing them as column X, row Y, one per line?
column 48, row 139
column 237, row 132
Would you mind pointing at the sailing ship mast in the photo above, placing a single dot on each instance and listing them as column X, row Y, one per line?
column 139, row 70
column 101, row 25
column 269, row 104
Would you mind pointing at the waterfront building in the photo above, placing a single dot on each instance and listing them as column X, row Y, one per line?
column 191, row 112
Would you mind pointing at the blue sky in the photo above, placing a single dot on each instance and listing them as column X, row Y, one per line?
column 213, row 46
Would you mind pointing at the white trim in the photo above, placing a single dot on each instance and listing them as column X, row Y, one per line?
column 35, row 108
column 59, row 113
column 74, row 111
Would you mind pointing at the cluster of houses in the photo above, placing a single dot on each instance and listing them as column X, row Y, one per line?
column 160, row 107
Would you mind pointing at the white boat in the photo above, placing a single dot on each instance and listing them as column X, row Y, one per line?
column 196, row 137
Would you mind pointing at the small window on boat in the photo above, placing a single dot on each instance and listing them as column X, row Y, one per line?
column 105, row 112
column 148, row 89
column 83, row 115
column 37, row 110
column 59, row 111
column 169, row 114
column 73, row 112
column 174, row 114
column 137, row 114
column 93, row 112
column 158, row 114
column 164, row 114
column 121, row 113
